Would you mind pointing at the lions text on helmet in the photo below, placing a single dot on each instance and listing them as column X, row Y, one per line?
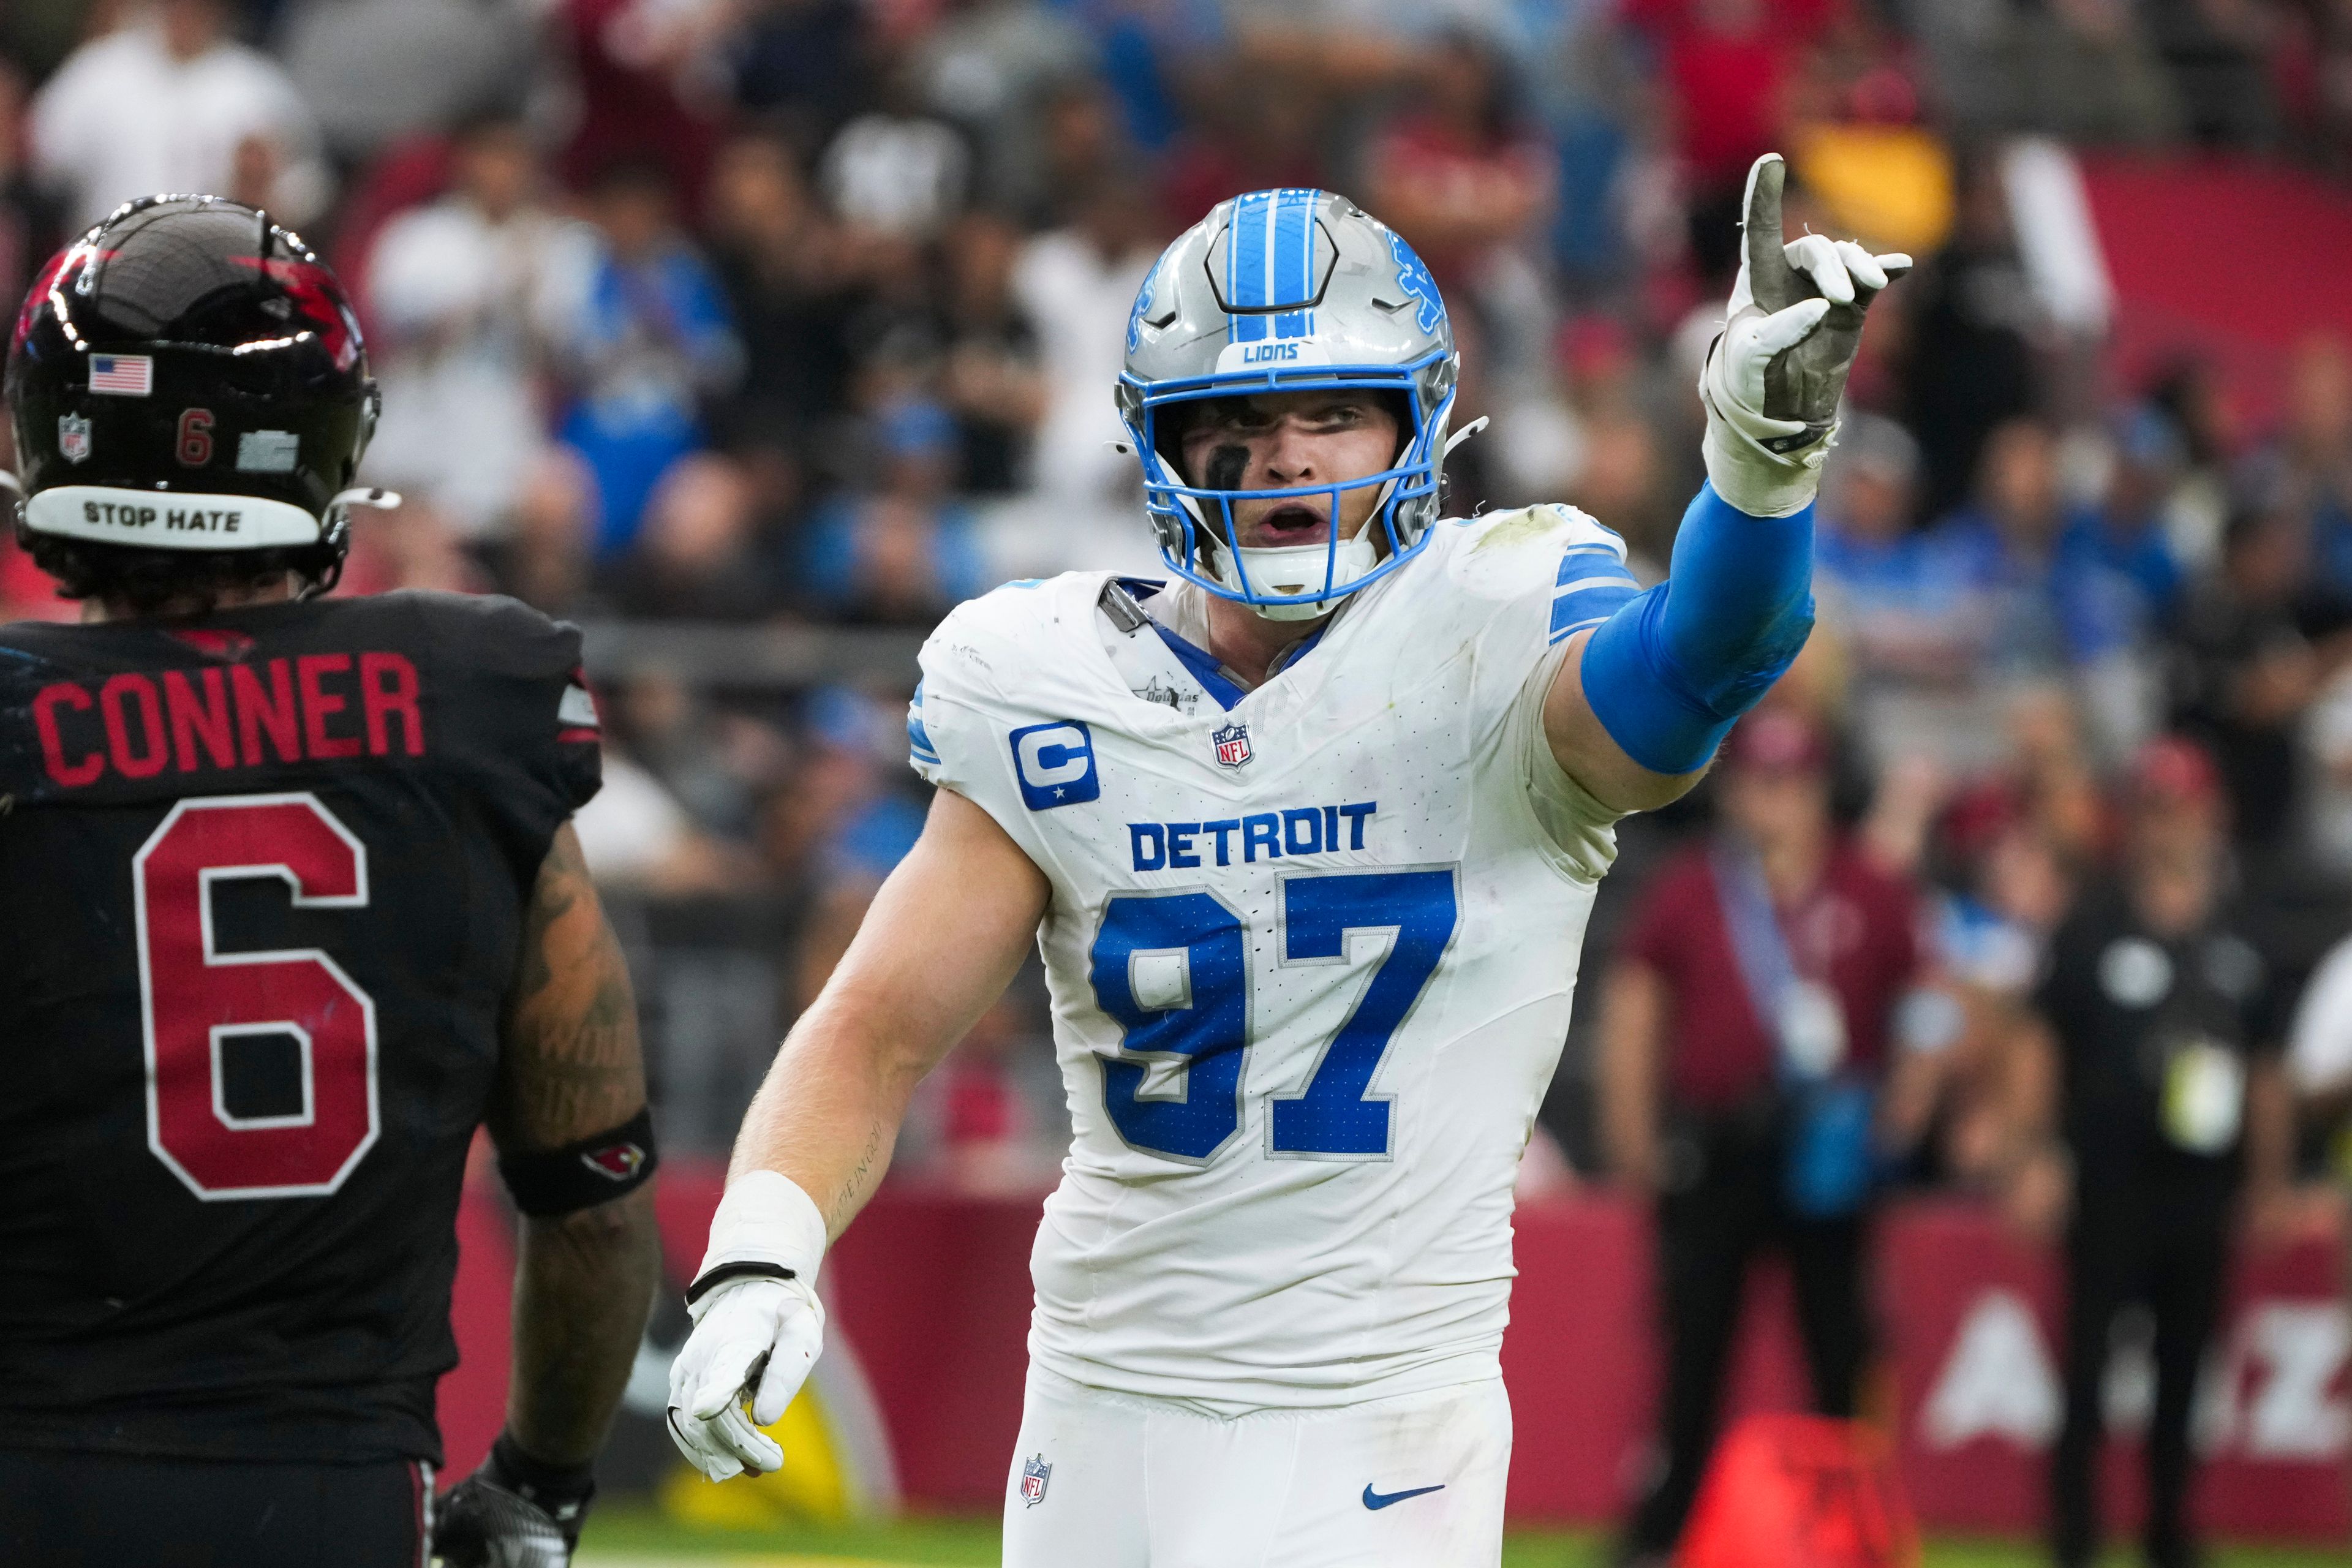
column 1277, row 295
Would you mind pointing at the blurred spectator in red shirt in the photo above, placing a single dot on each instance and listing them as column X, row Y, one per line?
column 1860, row 69
column 1244, row 139
column 1463, row 175
column 989, row 1123
column 632, row 62
column 1765, row 1040
column 1727, row 66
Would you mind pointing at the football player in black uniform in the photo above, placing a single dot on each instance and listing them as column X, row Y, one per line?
column 290, row 904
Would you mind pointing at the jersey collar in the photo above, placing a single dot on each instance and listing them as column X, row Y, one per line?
column 1216, row 678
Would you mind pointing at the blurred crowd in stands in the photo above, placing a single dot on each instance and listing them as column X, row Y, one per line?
column 764, row 313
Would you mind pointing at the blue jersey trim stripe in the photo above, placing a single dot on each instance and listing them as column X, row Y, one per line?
column 1566, row 632
column 1204, row 669
column 1592, row 599
column 919, row 739
column 1588, row 559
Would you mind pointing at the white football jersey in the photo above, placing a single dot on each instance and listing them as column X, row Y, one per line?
column 1311, row 951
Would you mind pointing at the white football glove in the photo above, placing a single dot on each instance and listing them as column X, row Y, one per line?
column 1774, row 374
column 758, row 1327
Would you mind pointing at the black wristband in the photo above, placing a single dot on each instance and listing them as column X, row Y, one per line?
column 563, row 1492
column 547, row 1183
column 710, row 1278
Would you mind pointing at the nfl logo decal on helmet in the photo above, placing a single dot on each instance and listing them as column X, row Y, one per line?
column 1233, row 743
column 73, row 437
column 1281, row 291
column 1035, row 1473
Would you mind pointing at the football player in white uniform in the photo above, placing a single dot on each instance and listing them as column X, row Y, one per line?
column 1306, row 835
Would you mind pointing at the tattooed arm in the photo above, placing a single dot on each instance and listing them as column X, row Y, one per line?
column 942, row 941
column 571, row 1070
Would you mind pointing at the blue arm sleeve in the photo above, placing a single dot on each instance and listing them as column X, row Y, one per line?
column 1669, row 673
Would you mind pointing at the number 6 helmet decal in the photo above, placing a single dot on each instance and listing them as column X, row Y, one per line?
column 188, row 356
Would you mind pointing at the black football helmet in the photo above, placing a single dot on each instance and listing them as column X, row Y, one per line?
column 189, row 376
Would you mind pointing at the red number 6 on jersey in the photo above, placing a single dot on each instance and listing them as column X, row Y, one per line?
column 192, row 998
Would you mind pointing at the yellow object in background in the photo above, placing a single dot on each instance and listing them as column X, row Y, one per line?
column 1890, row 185
column 812, row 1489
column 837, row 1463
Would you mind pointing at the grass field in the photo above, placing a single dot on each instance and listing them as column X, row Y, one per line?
column 639, row 1538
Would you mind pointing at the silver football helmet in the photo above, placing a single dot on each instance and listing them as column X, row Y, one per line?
column 1289, row 290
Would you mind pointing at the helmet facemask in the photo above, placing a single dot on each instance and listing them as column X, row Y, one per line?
column 1197, row 529
column 1287, row 291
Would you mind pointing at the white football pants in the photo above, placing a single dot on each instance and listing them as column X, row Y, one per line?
column 1415, row 1481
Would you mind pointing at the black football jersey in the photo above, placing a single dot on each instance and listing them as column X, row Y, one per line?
column 262, row 885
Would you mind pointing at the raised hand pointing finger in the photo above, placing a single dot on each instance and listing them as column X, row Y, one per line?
column 1774, row 378
column 1772, row 282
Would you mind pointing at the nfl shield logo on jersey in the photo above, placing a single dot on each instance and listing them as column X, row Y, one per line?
column 1233, row 745
column 73, row 437
column 1034, row 1474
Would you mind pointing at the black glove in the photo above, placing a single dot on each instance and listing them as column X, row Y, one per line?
column 513, row 1512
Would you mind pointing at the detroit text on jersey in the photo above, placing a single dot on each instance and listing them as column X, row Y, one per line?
column 1310, row 948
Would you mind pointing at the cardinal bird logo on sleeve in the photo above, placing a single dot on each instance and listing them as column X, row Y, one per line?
column 617, row 1162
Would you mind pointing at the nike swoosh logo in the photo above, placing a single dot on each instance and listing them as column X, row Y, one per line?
column 1382, row 1499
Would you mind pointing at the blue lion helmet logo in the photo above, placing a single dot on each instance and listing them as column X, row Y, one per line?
column 1142, row 305
column 1413, row 276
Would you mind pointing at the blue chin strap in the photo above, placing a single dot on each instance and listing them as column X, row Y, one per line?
column 1188, row 518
